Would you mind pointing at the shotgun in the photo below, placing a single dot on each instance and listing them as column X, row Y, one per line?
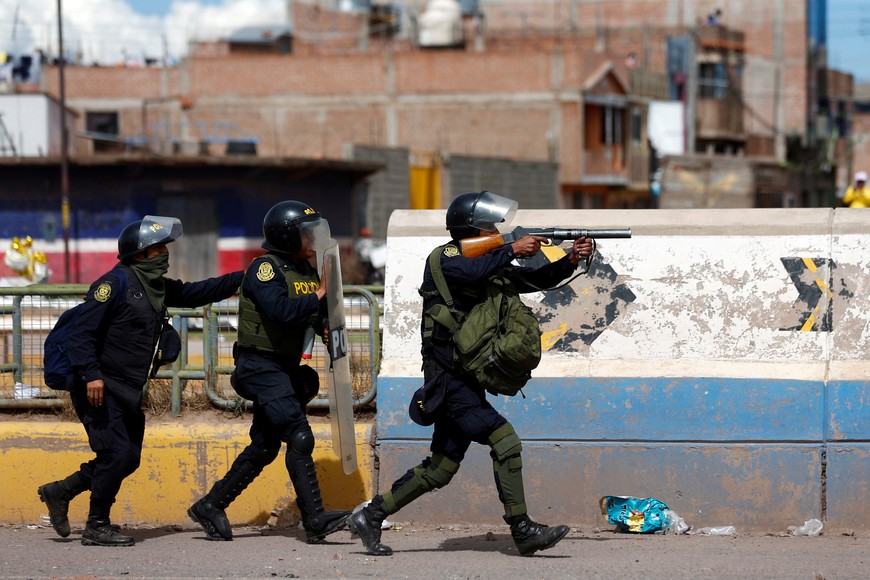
column 478, row 246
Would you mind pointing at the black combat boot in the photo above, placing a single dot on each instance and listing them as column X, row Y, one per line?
column 367, row 524
column 318, row 523
column 322, row 524
column 56, row 497
column 99, row 531
column 531, row 537
column 209, row 510
column 212, row 519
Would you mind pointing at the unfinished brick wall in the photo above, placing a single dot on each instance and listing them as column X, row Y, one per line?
column 517, row 97
column 250, row 76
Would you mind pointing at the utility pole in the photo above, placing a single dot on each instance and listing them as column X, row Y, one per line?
column 64, row 143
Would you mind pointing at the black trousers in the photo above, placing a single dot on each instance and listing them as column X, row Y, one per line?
column 278, row 411
column 115, row 433
column 466, row 417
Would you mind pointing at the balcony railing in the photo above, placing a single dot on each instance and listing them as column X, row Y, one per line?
column 720, row 118
column 721, row 37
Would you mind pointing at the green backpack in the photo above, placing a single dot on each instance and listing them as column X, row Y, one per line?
column 498, row 342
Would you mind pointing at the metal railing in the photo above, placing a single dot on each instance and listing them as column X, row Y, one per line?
column 27, row 314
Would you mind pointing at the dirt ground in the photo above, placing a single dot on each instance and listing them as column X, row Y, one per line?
column 421, row 552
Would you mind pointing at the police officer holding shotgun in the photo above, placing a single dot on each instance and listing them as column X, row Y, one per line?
column 465, row 416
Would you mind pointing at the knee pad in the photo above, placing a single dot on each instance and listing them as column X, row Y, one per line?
column 302, row 442
column 438, row 473
column 505, row 443
column 507, row 466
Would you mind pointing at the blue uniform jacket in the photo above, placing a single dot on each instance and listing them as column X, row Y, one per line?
column 115, row 338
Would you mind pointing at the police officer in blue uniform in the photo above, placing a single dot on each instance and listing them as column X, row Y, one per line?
column 465, row 416
column 282, row 297
column 111, row 351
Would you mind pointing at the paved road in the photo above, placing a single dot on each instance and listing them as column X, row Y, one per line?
column 432, row 552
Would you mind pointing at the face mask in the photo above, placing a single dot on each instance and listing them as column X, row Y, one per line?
column 159, row 264
column 150, row 273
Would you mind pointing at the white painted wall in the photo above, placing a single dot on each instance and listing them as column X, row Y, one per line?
column 711, row 293
column 33, row 122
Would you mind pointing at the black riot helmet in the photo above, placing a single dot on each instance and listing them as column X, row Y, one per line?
column 473, row 212
column 149, row 231
column 285, row 223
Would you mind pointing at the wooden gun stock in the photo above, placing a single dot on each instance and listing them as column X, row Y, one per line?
column 476, row 247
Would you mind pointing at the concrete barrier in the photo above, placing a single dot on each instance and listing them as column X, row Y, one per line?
column 180, row 462
column 716, row 361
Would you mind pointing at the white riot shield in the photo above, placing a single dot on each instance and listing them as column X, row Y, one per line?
column 339, row 382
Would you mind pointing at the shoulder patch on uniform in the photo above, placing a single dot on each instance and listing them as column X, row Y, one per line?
column 451, row 251
column 265, row 272
column 103, row 292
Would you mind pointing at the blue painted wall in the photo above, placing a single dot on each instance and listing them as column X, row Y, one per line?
column 740, row 452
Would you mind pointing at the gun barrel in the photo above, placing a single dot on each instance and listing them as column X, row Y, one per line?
column 598, row 234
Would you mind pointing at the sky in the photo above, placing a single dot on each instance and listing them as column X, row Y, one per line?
column 110, row 31
column 849, row 37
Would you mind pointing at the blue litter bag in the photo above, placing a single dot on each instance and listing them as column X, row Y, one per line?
column 634, row 514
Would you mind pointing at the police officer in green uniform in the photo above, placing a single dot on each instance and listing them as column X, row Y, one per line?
column 281, row 298
column 465, row 416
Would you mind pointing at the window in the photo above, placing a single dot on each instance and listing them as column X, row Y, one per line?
column 611, row 125
column 102, row 122
column 713, row 81
column 103, row 126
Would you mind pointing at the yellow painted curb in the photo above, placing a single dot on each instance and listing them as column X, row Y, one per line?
column 179, row 464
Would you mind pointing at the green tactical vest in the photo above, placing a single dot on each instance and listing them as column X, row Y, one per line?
column 276, row 337
column 498, row 342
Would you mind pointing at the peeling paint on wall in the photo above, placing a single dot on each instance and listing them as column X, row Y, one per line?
column 735, row 287
column 575, row 315
column 813, row 278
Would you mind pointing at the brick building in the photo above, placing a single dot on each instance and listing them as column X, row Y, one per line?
column 861, row 132
column 552, row 81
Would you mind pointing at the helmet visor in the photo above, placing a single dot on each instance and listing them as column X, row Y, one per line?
column 315, row 234
column 157, row 229
column 491, row 209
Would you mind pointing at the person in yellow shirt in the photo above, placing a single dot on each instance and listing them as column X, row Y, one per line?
column 858, row 195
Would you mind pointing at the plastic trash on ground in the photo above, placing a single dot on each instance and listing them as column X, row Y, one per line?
column 676, row 524
column 811, row 527
column 718, row 531
column 639, row 515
